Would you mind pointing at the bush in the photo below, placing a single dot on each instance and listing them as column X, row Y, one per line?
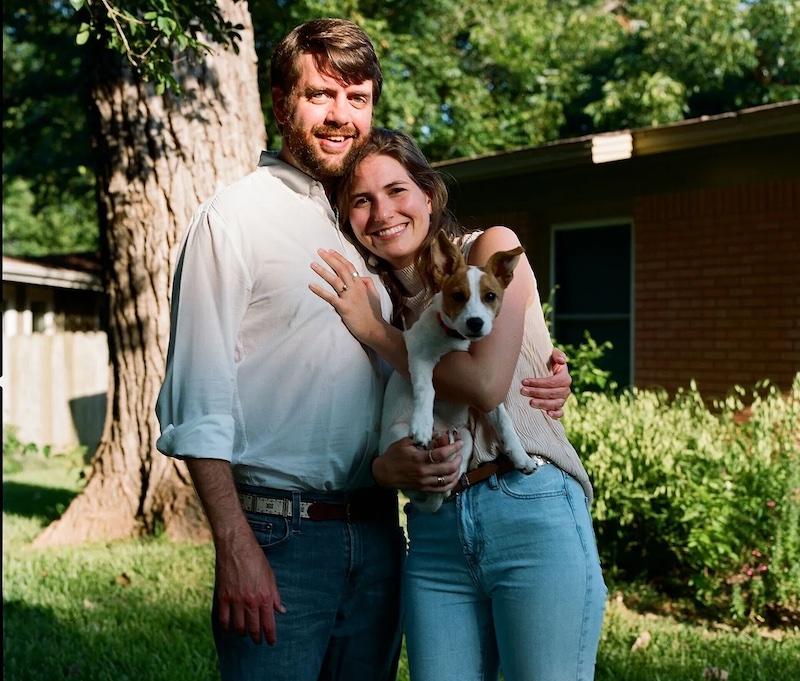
column 700, row 501
column 15, row 451
column 583, row 358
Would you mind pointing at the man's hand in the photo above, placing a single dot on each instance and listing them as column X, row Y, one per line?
column 403, row 466
column 549, row 393
column 246, row 589
column 247, row 594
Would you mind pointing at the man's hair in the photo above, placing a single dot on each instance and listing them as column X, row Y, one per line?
column 340, row 49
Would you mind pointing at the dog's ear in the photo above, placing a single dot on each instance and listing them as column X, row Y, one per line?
column 446, row 258
column 501, row 265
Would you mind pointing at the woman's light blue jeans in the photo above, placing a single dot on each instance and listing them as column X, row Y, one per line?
column 506, row 575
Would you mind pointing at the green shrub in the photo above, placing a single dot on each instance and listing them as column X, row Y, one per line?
column 586, row 374
column 700, row 501
column 583, row 369
column 15, row 451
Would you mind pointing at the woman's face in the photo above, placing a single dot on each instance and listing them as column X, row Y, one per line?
column 389, row 212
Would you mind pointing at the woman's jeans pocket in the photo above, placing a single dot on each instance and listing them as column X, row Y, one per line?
column 545, row 481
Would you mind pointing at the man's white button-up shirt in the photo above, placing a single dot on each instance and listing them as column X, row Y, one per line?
column 260, row 371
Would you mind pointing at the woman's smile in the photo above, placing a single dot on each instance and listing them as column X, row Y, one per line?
column 389, row 212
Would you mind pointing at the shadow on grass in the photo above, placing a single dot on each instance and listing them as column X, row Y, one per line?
column 41, row 625
column 38, row 646
column 35, row 501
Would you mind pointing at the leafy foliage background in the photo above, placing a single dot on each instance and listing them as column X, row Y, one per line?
column 462, row 78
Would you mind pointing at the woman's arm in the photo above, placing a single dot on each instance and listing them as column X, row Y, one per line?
column 482, row 376
column 359, row 307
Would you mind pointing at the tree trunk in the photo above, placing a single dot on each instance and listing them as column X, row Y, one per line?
column 159, row 157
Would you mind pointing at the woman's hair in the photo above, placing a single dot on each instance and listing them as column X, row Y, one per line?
column 403, row 149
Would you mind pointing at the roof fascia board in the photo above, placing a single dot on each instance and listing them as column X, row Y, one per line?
column 739, row 126
column 18, row 271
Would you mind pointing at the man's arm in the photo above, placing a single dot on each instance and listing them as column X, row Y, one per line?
column 247, row 593
column 211, row 293
column 550, row 392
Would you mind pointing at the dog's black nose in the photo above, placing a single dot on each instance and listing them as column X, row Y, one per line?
column 475, row 324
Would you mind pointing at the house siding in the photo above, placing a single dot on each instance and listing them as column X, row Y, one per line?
column 718, row 286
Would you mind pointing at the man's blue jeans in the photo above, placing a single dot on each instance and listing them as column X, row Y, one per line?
column 340, row 584
column 505, row 575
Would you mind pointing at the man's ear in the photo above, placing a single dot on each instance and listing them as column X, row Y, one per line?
column 501, row 265
column 279, row 108
column 446, row 258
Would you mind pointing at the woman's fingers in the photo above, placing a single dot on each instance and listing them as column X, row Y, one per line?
column 331, row 278
column 325, row 294
column 441, row 483
column 338, row 263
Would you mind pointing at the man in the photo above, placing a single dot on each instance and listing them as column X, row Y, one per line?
column 276, row 408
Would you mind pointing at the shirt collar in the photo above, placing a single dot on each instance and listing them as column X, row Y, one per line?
column 292, row 177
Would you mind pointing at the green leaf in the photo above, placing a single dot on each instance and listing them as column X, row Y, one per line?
column 83, row 35
column 77, row 4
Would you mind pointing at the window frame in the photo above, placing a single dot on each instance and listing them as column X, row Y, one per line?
column 593, row 224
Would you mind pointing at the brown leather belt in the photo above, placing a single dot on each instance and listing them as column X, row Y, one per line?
column 499, row 466
column 355, row 510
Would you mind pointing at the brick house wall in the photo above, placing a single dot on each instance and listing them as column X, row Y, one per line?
column 715, row 235
column 717, row 292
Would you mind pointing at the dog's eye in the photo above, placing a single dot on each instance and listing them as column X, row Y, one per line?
column 490, row 297
column 458, row 296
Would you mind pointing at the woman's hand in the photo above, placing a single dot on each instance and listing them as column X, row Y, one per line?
column 353, row 297
column 549, row 393
column 404, row 466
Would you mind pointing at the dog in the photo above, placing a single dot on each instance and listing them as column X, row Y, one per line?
column 462, row 311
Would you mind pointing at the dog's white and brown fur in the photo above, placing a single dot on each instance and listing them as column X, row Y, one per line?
column 462, row 311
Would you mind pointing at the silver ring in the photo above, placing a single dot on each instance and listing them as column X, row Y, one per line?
column 430, row 456
column 355, row 274
column 440, row 481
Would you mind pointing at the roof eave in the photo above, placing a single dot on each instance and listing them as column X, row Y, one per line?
column 749, row 124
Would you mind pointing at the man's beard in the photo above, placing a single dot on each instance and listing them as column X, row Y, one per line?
column 301, row 145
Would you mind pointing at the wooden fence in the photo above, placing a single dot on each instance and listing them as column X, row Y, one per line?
column 54, row 387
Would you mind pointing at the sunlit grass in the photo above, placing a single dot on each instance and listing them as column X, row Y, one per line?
column 139, row 610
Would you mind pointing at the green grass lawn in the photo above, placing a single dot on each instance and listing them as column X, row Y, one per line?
column 139, row 610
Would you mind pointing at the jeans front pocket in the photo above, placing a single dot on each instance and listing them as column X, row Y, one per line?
column 546, row 481
column 269, row 530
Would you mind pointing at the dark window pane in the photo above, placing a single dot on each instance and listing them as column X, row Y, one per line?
column 593, row 276
column 593, row 270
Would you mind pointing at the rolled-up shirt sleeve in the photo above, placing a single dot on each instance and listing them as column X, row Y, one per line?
column 211, row 292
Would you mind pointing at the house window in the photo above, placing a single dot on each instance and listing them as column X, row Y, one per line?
column 592, row 273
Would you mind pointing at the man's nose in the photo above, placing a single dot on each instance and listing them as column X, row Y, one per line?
column 338, row 111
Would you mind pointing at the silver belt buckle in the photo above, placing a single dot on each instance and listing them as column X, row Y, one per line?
column 253, row 503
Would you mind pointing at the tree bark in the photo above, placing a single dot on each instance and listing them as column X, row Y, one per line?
column 159, row 157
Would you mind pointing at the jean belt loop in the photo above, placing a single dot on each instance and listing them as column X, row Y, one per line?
column 492, row 482
column 296, row 498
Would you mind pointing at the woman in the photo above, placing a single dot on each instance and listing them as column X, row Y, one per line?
column 507, row 573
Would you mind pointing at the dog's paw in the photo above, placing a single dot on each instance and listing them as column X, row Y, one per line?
column 521, row 459
column 528, row 466
column 421, row 431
